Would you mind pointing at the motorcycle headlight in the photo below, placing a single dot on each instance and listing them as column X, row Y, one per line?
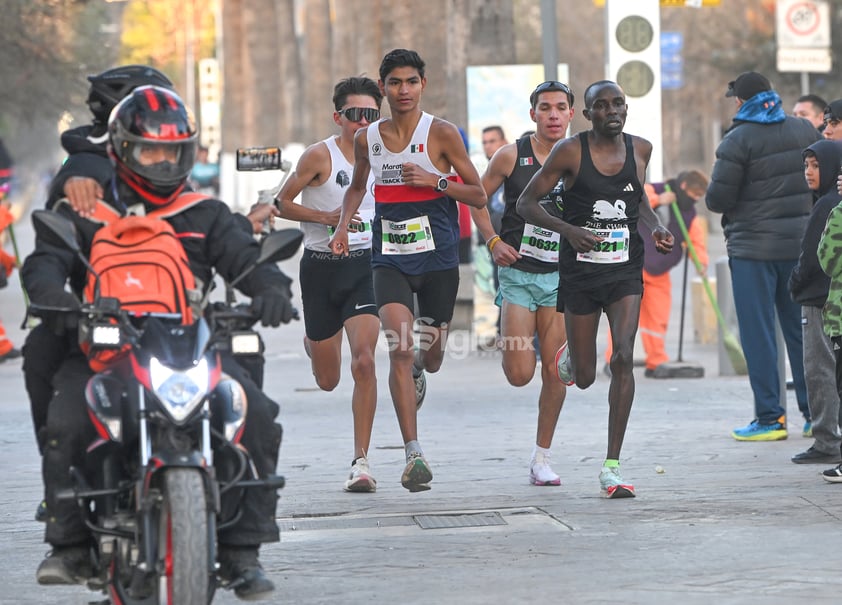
column 105, row 335
column 179, row 391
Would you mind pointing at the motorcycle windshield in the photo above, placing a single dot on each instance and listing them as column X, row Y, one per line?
column 175, row 345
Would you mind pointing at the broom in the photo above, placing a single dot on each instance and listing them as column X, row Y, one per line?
column 729, row 340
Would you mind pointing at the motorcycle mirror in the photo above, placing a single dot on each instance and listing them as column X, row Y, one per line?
column 51, row 226
column 58, row 230
column 276, row 246
column 279, row 245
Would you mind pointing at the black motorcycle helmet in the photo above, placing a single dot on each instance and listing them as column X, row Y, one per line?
column 109, row 87
column 153, row 116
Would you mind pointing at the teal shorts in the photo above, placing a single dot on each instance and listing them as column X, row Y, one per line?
column 529, row 290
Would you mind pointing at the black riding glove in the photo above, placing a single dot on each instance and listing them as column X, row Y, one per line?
column 63, row 321
column 274, row 306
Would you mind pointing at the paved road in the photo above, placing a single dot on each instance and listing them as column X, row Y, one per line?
column 725, row 522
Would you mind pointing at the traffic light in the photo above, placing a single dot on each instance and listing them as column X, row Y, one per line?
column 634, row 62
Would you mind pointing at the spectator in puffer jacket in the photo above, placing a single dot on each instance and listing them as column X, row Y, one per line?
column 758, row 186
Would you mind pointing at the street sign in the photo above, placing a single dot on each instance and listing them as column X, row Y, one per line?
column 672, row 63
column 803, row 36
column 808, row 60
column 690, row 3
column 802, row 23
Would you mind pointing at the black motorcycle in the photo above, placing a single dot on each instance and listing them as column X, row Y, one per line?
column 169, row 424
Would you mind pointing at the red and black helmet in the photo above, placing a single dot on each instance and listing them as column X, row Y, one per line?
column 153, row 116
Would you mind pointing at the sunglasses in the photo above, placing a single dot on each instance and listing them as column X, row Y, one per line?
column 550, row 85
column 355, row 114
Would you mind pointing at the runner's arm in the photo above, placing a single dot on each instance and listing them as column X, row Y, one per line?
column 664, row 240
column 354, row 195
column 313, row 164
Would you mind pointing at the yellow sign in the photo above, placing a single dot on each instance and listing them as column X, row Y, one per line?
column 695, row 3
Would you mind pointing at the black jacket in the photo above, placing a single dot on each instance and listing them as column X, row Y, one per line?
column 87, row 156
column 213, row 238
column 758, row 185
column 808, row 284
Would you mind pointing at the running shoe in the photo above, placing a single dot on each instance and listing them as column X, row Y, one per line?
column 420, row 386
column 754, row 431
column 833, row 475
column 612, row 485
column 360, row 479
column 417, row 474
column 562, row 365
column 540, row 472
column 807, row 431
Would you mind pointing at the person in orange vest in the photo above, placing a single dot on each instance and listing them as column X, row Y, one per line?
column 7, row 261
column 655, row 306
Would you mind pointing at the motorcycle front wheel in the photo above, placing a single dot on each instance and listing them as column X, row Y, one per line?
column 183, row 539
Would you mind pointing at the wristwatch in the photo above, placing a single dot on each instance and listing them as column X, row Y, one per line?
column 442, row 184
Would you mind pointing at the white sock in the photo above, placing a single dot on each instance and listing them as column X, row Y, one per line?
column 543, row 450
column 412, row 446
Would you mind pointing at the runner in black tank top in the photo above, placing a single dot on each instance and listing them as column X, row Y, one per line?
column 602, row 255
column 512, row 229
column 608, row 205
column 527, row 259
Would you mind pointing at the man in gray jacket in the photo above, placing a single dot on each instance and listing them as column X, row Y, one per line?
column 758, row 185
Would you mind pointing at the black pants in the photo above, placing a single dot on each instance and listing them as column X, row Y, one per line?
column 43, row 353
column 68, row 431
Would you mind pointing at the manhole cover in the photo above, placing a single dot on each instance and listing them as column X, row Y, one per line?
column 450, row 521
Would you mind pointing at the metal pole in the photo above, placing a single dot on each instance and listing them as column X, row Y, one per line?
column 549, row 39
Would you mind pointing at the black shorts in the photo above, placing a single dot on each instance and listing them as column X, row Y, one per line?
column 591, row 300
column 334, row 289
column 436, row 291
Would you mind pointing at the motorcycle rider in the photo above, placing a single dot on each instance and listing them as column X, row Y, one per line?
column 81, row 180
column 152, row 145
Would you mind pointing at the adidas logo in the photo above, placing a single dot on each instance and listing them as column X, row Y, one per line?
column 628, row 187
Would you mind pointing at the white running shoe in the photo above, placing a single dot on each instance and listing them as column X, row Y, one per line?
column 540, row 472
column 420, row 387
column 360, row 479
column 562, row 365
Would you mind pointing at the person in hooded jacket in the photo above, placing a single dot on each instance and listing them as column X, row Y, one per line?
column 809, row 286
column 152, row 145
column 758, row 186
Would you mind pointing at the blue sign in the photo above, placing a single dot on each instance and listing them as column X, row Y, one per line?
column 672, row 63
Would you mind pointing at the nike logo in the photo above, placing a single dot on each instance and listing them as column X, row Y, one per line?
column 358, row 306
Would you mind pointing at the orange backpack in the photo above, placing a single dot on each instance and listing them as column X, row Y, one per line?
column 141, row 262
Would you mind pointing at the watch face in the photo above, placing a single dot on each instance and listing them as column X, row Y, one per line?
column 442, row 184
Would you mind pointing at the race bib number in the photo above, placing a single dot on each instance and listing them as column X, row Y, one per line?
column 614, row 247
column 407, row 237
column 540, row 244
column 359, row 234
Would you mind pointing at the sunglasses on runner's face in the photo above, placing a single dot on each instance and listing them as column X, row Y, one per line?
column 355, row 114
column 550, row 85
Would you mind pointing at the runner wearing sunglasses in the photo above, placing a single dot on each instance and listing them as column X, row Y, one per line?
column 416, row 236
column 527, row 257
column 336, row 290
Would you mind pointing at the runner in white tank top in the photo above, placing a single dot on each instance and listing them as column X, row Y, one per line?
column 337, row 290
column 413, row 228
